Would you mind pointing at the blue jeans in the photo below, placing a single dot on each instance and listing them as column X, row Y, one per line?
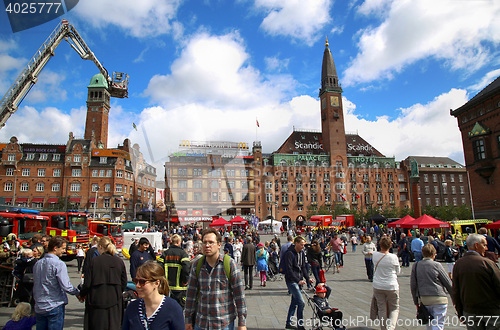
column 354, row 247
column 52, row 320
column 315, row 271
column 296, row 303
column 230, row 326
column 405, row 256
column 418, row 255
column 369, row 268
column 307, row 270
column 338, row 257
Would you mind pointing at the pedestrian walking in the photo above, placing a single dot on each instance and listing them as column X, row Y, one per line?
column 262, row 256
column 248, row 259
column 368, row 249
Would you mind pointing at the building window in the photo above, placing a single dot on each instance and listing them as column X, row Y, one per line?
column 434, row 178
column 109, row 173
column 107, row 187
column 197, row 196
column 463, row 200
column 454, row 202
column 460, row 178
column 245, row 173
column 462, row 190
column 11, row 158
column 107, row 203
column 340, row 185
column 30, row 156
column 75, row 186
column 427, row 190
column 214, row 197
column 244, row 184
column 57, row 172
column 26, row 172
column 119, row 173
column 95, row 173
column 314, row 198
column 428, row 201
column 131, row 190
column 214, row 184
column 95, row 187
column 446, row 202
column 40, row 186
column 56, row 186
column 43, row 157
column 76, row 172
column 453, row 190
column 426, row 177
column 8, row 186
column 269, row 198
column 183, row 171
column 119, row 187
column 182, row 197
column 231, row 184
column 139, row 192
column 103, row 160
column 102, row 173
column 77, row 158
column 197, row 172
column 10, row 171
column 269, row 185
column 56, row 157
column 24, row 186
column 452, row 177
column 479, row 150
column 197, row 184
column 436, row 191
column 443, row 177
column 436, row 202
column 182, row 183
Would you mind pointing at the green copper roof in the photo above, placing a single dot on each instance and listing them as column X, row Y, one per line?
column 98, row 81
column 478, row 130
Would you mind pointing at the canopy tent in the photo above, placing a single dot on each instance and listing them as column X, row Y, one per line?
column 494, row 225
column 238, row 221
column 400, row 222
column 133, row 225
column 220, row 223
column 425, row 221
column 276, row 224
column 377, row 218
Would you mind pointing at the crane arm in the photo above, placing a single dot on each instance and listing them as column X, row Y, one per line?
column 118, row 84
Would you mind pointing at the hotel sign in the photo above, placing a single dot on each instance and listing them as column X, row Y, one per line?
column 110, row 153
column 359, row 147
column 187, row 154
column 214, row 144
column 315, row 145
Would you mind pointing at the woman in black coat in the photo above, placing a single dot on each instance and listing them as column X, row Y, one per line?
column 103, row 288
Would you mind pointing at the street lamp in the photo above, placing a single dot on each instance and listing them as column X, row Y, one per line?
column 95, row 201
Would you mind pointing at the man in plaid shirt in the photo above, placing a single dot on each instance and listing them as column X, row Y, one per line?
column 210, row 296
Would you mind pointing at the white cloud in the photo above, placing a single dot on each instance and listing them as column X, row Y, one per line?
column 139, row 18
column 275, row 64
column 298, row 19
column 485, row 81
column 48, row 125
column 214, row 70
column 49, row 87
column 420, row 130
column 456, row 32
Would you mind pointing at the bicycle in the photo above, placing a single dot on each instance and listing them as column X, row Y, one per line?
column 329, row 262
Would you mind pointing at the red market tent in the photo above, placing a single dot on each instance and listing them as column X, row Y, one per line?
column 220, row 223
column 400, row 222
column 238, row 221
column 494, row 225
column 425, row 221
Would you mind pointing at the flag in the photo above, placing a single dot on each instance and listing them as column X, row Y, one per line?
column 257, row 122
column 133, row 125
column 342, row 197
column 357, row 196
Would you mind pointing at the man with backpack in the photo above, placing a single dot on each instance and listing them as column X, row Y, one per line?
column 215, row 293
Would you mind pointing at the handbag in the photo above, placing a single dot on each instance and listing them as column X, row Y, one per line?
column 322, row 278
column 28, row 278
column 422, row 311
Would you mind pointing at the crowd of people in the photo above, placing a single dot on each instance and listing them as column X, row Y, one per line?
column 198, row 280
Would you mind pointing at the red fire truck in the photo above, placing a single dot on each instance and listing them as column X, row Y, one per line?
column 24, row 225
column 72, row 225
column 102, row 228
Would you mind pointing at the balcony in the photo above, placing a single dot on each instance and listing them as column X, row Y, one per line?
column 328, row 190
column 284, row 178
column 380, row 202
column 284, row 190
column 402, row 179
column 326, row 179
column 366, row 179
column 392, row 202
column 75, row 164
column 299, row 190
column 391, row 189
column 379, row 189
column 314, row 190
column 314, row 203
column 354, row 190
column 353, row 179
column 390, row 179
column 378, row 179
column 285, row 203
column 403, row 189
column 312, row 179
column 354, row 203
column 298, row 178
column 366, row 189
column 300, row 203
column 328, row 203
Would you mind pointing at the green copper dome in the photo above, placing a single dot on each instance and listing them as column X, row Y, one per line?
column 98, row 81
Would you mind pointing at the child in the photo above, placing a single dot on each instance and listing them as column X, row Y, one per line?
column 262, row 256
column 24, row 261
column 325, row 312
column 21, row 319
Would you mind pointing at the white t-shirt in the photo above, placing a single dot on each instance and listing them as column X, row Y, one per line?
column 385, row 276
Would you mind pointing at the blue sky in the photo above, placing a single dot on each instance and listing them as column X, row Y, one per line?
column 204, row 70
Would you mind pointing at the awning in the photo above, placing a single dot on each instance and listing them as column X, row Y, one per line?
column 21, row 200
column 53, row 200
column 75, row 199
column 92, row 200
column 37, row 199
column 8, row 199
column 118, row 198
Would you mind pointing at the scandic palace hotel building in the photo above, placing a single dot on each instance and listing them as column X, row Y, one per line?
column 207, row 179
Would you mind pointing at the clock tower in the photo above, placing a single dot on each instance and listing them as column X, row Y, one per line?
column 332, row 115
column 96, row 125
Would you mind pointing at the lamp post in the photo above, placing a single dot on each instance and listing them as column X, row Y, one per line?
column 15, row 185
column 95, row 201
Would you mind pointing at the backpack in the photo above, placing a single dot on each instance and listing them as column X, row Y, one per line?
column 227, row 266
column 282, row 266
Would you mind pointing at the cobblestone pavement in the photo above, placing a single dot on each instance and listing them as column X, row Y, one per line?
column 268, row 306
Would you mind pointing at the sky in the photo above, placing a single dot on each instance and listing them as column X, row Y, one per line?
column 206, row 70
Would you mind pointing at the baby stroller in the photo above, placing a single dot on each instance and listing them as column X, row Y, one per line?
column 318, row 322
column 273, row 273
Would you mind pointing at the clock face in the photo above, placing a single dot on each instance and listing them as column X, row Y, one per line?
column 334, row 101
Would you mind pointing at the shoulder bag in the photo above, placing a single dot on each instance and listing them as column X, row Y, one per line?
column 422, row 311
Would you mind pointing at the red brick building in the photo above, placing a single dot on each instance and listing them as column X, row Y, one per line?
column 479, row 123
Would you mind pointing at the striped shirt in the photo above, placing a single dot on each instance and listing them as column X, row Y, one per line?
column 219, row 301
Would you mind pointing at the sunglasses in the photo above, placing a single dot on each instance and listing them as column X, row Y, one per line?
column 141, row 281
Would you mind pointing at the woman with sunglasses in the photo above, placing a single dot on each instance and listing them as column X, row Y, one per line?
column 103, row 287
column 154, row 310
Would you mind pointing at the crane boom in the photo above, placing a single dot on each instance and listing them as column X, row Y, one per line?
column 118, row 83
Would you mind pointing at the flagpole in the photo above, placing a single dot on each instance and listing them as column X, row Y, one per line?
column 256, row 126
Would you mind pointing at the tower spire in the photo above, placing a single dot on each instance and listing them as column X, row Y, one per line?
column 329, row 78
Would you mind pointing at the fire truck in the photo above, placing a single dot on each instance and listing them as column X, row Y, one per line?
column 102, row 228
column 24, row 223
column 118, row 82
column 72, row 225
